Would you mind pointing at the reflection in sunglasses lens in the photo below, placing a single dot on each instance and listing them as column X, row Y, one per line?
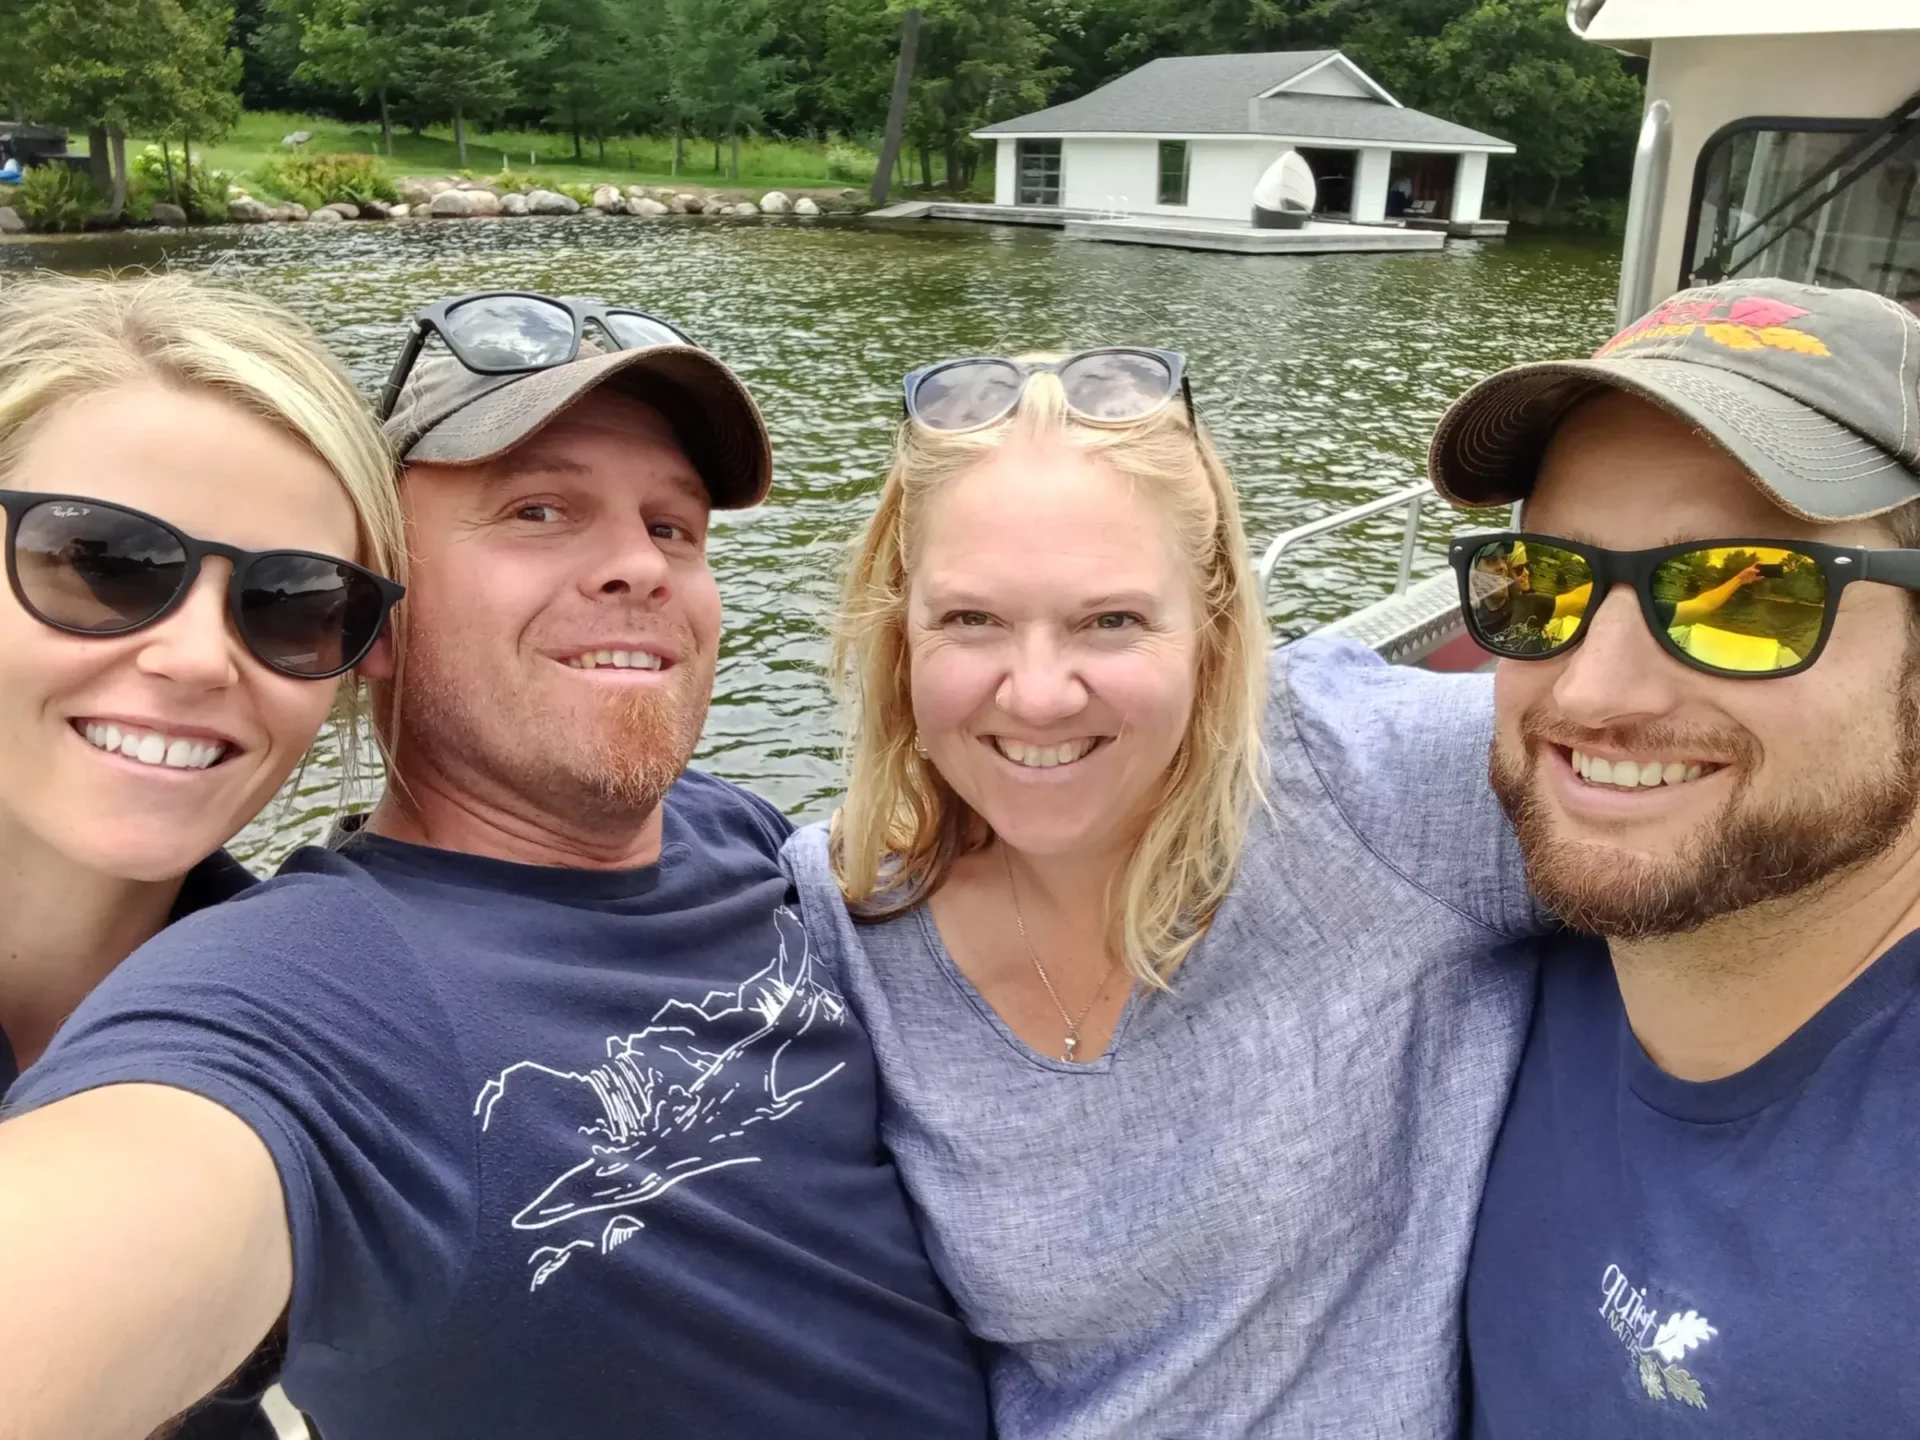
column 1117, row 384
column 306, row 615
column 94, row 567
column 1750, row 609
column 634, row 330
column 1527, row 598
column 960, row 397
column 506, row 332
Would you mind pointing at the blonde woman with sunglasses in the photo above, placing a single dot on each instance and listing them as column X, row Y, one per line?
column 196, row 504
column 1173, row 951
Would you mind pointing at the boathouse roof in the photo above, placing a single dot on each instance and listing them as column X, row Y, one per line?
column 1304, row 95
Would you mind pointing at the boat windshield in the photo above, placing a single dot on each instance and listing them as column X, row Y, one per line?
column 1826, row 202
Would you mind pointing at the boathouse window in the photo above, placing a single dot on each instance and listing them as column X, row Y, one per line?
column 1173, row 172
column 1825, row 202
column 1037, row 168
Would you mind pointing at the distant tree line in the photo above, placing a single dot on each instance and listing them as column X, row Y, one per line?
column 712, row 70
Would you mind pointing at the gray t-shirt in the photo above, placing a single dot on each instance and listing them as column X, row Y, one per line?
column 1251, row 1216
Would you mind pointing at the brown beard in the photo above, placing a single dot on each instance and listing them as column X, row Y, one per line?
column 645, row 741
column 1747, row 855
column 611, row 778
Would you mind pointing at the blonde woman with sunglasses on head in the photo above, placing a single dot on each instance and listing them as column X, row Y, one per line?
column 196, row 504
column 1172, row 951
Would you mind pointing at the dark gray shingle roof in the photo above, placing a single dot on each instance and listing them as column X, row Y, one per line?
column 1209, row 95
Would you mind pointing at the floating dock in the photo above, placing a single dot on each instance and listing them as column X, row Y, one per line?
column 1316, row 237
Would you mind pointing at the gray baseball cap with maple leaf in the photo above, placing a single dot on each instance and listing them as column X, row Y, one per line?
column 1815, row 392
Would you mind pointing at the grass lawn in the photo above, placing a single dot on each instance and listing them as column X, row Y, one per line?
column 630, row 160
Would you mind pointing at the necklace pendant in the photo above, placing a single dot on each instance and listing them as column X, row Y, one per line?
column 1071, row 1042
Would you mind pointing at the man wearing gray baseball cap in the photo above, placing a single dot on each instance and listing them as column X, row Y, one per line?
column 527, row 1106
column 1698, row 1218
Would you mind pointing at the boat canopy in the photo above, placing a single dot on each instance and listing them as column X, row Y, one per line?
column 1624, row 22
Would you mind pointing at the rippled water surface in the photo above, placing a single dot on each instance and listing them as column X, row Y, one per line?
column 1319, row 376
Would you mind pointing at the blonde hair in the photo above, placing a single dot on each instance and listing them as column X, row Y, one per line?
column 902, row 827
column 63, row 338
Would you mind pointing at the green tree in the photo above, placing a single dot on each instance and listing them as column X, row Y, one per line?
column 350, row 45
column 601, row 72
column 859, row 44
column 205, row 103
column 1511, row 67
column 724, row 79
column 15, row 68
column 465, row 59
column 980, row 61
column 120, row 65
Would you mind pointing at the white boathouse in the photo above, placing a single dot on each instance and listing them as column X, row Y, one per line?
column 1188, row 137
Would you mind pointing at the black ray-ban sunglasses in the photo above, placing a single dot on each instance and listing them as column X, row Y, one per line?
column 91, row 568
column 1114, row 385
column 1751, row 609
column 515, row 332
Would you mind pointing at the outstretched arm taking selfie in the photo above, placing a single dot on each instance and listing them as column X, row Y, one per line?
column 143, row 1254
column 260, row 1111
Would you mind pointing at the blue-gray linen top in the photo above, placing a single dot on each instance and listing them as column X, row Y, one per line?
column 1251, row 1216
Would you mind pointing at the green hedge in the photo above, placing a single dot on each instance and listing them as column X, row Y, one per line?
column 316, row 180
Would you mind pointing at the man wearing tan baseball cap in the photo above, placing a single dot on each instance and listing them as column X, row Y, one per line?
column 527, row 1105
column 1698, row 1219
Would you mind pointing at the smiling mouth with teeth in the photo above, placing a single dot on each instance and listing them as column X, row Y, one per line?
column 1045, row 757
column 152, row 747
column 617, row 660
column 1635, row 774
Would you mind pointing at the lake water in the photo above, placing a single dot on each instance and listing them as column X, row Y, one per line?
column 1320, row 378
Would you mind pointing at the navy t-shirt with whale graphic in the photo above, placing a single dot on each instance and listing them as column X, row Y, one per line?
column 1663, row 1258
column 565, row 1153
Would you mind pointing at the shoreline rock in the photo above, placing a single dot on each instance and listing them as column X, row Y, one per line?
column 419, row 191
column 448, row 198
column 464, row 204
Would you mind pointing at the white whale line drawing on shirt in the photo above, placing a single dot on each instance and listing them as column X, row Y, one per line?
column 666, row 1106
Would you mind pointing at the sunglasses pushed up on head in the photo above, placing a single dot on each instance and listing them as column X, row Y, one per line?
column 1750, row 609
column 516, row 332
column 1113, row 385
column 90, row 568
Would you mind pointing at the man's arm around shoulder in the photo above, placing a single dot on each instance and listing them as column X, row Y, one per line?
column 144, row 1253
column 1402, row 754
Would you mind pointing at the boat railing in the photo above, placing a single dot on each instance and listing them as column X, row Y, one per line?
column 1410, row 499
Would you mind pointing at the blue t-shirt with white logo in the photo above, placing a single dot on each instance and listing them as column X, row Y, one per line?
column 1741, row 1257
column 566, row 1153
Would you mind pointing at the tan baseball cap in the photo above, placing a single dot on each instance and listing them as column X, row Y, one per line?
column 448, row 415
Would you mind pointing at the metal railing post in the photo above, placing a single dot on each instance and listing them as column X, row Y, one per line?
column 1409, row 539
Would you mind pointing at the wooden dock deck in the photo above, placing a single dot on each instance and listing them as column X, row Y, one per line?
column 1316, row 237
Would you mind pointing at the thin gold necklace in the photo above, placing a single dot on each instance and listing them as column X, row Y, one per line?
column 1073, row 1022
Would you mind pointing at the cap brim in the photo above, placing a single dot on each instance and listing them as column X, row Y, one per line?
column 724, row 423
column 1488, row 446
